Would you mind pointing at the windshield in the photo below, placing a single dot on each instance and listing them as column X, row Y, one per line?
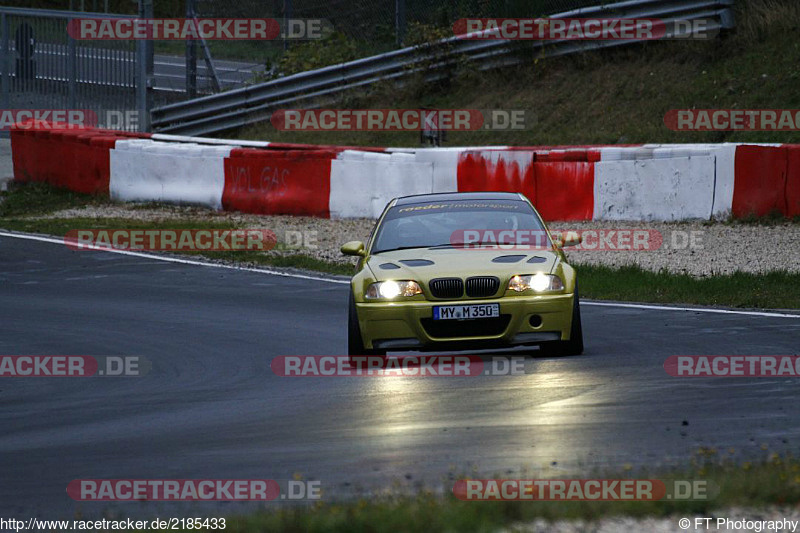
column 451, row 223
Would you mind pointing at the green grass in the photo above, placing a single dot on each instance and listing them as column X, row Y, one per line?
column 773, row 481
column 60, row 226
column 775, row 218
column 774, row 290
column 613, row 96
column 32, row 199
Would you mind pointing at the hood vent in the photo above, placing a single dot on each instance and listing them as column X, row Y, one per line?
column 508, row 259
column 416, row 262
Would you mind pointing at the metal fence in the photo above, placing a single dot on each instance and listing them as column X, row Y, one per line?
column 239, row 107
column 43, row 68
column 383, row 23
column 369, row 27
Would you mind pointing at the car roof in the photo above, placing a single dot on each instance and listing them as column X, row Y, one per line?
column 445, row 196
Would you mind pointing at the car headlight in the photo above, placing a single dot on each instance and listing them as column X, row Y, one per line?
column 392, row 289
column 540, row 282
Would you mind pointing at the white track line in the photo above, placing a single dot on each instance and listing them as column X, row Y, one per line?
column 695, row 309
column 52, row 240
column 271, row 272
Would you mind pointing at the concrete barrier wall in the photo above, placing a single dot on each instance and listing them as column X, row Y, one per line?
column 181, row 173
column 565, row 189
column 558, row 182
column 676, row 188
column 362, row 183
column 793, row 181
column 640, row 182
column 67, row 157
column 497, row 170
column 290, row 182
column 760, row 181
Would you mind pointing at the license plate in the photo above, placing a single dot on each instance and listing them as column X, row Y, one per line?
column 464, row 312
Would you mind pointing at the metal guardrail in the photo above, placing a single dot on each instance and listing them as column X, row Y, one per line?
column 240, row 107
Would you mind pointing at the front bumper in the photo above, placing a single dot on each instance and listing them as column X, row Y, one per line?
column 410, row 325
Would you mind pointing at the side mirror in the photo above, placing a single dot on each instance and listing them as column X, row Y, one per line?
column 354, row 248
column 571, row 238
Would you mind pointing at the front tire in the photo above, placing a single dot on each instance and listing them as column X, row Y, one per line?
column 574, row 346
column 355, row 345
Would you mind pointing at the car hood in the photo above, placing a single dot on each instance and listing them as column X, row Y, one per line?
column 423, row 264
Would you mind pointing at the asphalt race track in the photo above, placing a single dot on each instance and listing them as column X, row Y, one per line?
column 211, row 407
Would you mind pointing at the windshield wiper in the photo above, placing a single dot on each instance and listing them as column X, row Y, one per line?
column 446, row 245
column 399, row 248
column 467, row 244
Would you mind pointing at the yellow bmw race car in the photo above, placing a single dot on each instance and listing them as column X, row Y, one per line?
column 457, row 271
